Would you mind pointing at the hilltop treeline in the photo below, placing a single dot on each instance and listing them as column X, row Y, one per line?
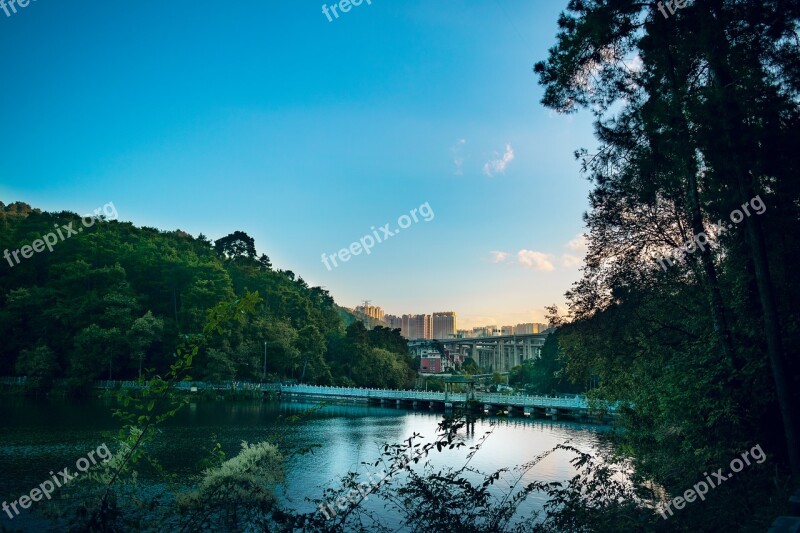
column 115, row 298
column 687, row 309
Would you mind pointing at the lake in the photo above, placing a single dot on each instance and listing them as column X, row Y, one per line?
column 37, row 436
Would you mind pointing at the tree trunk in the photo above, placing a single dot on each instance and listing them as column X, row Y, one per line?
column 715, row 301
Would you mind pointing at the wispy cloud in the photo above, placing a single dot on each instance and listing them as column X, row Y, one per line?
column 546, row 262
column 536, row 260
column 458, row 159
column 499, row 257
column 570, row 261
column 580, row 247
column 578, row 244
column 499, row 164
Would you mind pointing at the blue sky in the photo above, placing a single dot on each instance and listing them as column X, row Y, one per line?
column 263, row 116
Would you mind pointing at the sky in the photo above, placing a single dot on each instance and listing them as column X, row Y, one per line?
column 306, row 133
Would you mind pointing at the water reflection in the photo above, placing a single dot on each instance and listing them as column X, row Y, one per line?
column 38, row 436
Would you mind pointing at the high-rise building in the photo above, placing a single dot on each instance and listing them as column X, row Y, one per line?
column 479, row 331
column 418, row 326
column 372, row 311
column 507, row 330
column 444, row 325
column 530, row 328
column 394, row 322
column 524, row 329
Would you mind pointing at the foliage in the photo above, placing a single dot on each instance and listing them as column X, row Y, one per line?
column 40, row 365
column 154, row 404
column 235, row 495
column 545, row 374
column 470, row 366
column 113, row 300
column 697, row 120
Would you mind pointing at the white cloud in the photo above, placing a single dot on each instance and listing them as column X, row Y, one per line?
column 536, row 260
column 499, row 257
column 578, row 244
column 580, row 247
column 499, row 164
column 570, row 261
column 546, row 262
column 458, row 159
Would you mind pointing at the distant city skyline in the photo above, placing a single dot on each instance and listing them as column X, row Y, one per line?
column 462, row 322
column 441, row 324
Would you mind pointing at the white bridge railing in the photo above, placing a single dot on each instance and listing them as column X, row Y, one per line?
column 578, row 402
column 518, row 400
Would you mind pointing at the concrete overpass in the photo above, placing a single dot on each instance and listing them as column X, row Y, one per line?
column 499, row 353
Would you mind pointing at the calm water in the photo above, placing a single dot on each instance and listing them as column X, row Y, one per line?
column 39, row 436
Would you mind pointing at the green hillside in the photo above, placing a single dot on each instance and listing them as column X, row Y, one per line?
column 111, row 297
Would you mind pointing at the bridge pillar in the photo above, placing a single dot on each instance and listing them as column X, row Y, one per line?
column 498, row 357
column 516, row 353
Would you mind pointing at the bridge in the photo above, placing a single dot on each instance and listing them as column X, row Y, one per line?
column 573, row 407
column 544, row 406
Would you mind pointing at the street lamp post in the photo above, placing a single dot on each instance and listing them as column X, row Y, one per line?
column 264, row 372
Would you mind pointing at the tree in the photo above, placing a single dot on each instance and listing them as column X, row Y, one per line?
column 312, row 347
column 218, row 366
column 470, row 366
column 282, row 351
column 689, row 110
column 546, row 374
column 94, row 353
column 144, row 332
column 40, row 366
column 265, row 263
column 237, row 245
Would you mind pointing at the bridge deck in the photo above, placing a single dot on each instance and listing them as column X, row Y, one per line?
column 519, row 400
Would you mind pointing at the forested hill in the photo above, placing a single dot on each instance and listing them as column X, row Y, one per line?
column 111, row 297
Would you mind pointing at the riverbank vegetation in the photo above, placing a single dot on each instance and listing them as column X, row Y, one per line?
column 686, row 310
